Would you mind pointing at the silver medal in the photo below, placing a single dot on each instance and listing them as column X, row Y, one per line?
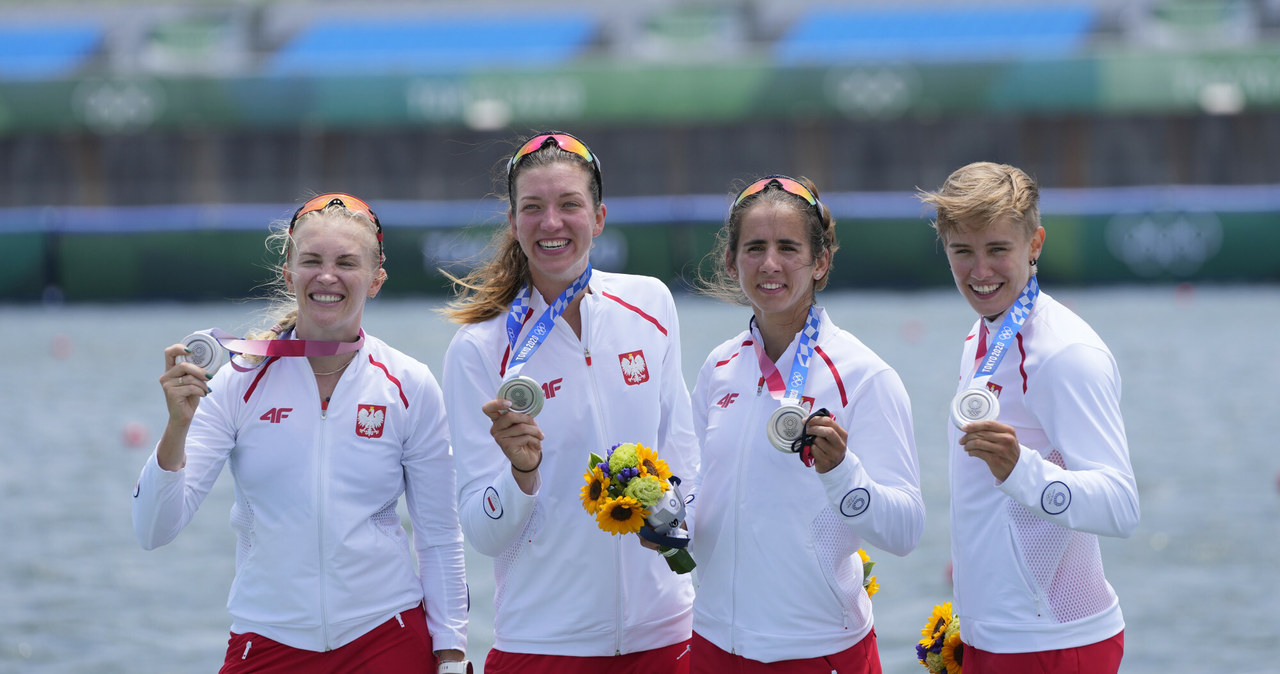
column 206, row 352
column 786, row 425
column 974, row 404
column 524, row 393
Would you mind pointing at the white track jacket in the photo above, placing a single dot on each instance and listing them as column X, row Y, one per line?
column 1027, row 568
column 321, row 556
column 776, row 543
column 563, row 586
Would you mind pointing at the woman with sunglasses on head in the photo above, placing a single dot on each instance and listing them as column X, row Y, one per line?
column 807, row 454
column 599, row 355
column 325, row 428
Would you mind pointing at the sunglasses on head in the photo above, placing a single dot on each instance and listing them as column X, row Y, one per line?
column 346, row 201
column 563, row 141
column 784, row 183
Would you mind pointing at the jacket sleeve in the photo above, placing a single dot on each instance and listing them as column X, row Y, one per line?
column 876, row 488
column 678, row 444
column 433, row 509
column 492, row 508
column 700, row 405
column 164, row 501
column 1076, row 398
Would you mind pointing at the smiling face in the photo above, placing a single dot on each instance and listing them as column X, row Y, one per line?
column 775, row 264
column 332, row 269
column 992, row 264
column 555, row 220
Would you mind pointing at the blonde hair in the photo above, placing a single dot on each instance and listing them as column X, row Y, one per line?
column 820, row 226
column 488, row 290
column 976, row 195
column 282, row 309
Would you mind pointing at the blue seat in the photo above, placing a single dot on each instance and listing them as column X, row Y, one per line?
column 438, row 44
column 935, row 33
column 41, row 51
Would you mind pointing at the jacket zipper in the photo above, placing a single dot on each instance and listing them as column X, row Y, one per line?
column 322, row 494
column 600, row 424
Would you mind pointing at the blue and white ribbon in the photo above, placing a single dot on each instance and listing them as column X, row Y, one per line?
column 542, row 327
column 1002, row 339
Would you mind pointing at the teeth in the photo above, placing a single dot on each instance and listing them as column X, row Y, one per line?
column 985, row 289
column 327, row 298
column 553, row 244
column 770, row 286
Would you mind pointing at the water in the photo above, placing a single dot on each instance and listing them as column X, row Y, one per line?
column 1196, row 580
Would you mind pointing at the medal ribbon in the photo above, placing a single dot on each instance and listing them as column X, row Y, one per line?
column 790, row 390
column 542, row 327
column 276, row 348
column 1003, row 338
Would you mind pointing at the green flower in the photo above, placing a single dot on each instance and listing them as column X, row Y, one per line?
column 623, row 457
column 646, row 490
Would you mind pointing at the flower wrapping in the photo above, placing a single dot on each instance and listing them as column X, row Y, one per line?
column 940, row 649
column 621, row 490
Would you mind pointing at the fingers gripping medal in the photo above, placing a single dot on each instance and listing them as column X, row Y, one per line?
column 525, row 395
column 205, row 350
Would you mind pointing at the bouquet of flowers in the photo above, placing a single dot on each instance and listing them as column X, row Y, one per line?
column 940, row 649
column 869, row 582
column 629, row 487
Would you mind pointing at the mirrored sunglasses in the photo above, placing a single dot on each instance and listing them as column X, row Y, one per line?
column 346, row 201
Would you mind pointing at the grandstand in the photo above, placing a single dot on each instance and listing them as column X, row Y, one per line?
column 229, row 108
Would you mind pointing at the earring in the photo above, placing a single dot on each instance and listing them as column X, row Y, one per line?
column 1033, row 267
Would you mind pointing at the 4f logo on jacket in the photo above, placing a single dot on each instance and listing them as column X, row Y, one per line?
column 276, row 414
column 634, row 369
column 369, row 420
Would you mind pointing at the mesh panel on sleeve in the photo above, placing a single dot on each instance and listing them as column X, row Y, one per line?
column 388, row 521
column 503, row 563
column 1065, row 565
column 837, row 548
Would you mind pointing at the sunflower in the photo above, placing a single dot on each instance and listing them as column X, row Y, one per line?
column 596, row 490
column 953, row 653
column 650, row 464
column 872, row 586
column 937, row 625
column 622, row 515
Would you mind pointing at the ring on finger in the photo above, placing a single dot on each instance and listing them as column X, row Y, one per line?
column 179, row 381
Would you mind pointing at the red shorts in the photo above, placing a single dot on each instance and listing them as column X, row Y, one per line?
column 673, row 659
column 862, row 658
column 1100, row 658
column 389, row 647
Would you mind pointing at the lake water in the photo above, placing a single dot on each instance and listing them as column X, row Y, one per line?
column 80, row 410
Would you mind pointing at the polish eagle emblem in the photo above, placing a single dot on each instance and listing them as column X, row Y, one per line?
column 634, row 369
column 369, row 419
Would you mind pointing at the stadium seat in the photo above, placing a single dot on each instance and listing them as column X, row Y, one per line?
column 46, row 50
column 830, row 35
column 391, row 45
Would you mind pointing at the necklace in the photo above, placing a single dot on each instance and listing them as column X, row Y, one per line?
column 344, row 366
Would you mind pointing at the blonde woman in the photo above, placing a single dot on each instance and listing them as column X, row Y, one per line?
column 323, row 435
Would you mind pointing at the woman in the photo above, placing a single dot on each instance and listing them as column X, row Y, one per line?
column 776, row 541
column 321, row 448
column 603, row 352
column 1039, row 478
